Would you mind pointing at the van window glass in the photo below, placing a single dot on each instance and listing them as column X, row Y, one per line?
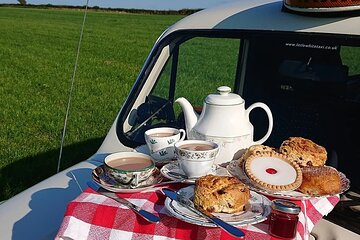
column 312, row 93
column 195, row 69
column 204, row 65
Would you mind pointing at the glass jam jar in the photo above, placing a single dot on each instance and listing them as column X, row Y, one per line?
column 284, row 218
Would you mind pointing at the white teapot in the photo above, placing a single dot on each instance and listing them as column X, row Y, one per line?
column 224, row 120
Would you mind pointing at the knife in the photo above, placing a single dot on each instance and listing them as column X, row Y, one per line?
column 187, row 203
column 141, row 212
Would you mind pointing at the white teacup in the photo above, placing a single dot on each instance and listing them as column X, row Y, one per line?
column 160, row 142
column 196, row 157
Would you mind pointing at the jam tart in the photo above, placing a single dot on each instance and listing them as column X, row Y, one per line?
column 273, row 172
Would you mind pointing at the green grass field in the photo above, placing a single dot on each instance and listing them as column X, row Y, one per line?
column 37, row 55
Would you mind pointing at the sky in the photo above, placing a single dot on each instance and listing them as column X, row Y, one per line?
column 138, row 4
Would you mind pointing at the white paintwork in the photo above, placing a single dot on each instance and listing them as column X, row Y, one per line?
column 325, row 230
column 111, row 142
column 36, row 213
column 150, row 81
column 264, row 15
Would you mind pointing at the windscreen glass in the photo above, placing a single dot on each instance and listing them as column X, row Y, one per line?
column 195, row 68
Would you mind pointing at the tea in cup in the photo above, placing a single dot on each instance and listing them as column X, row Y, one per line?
column 196, row 157
column 160, row 142
column 129, row 168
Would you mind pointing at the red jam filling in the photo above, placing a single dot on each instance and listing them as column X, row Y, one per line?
column 283, row 225
column 271, row 171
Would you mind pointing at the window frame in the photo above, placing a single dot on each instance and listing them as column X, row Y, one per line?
column 175, row 38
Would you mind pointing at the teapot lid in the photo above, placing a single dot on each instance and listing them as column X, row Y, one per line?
column 224, row 97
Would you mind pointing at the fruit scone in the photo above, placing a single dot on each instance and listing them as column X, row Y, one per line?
column 317, row 179
column 217, row 194
column 304, row 151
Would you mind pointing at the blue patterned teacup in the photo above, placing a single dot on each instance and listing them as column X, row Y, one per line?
column 160, row 142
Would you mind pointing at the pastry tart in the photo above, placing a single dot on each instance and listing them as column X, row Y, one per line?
column 273, row 171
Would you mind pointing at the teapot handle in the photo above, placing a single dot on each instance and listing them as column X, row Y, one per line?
column 270, row 118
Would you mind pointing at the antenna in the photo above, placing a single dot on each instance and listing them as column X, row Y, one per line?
column 72, row 87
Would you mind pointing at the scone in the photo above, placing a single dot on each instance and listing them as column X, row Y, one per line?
column 220, row 194
column 304, row 151
column 319, row 181
column 273, row 171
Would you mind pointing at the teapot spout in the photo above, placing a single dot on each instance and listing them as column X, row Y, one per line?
column 191, row 117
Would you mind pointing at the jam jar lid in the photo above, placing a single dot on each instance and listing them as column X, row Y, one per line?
column 285, row 206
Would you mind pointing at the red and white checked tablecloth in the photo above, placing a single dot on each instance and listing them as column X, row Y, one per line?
column 92, row 216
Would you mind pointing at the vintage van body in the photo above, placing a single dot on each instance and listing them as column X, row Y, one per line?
column 305, row 67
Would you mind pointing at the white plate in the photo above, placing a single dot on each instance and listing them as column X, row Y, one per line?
column 256, row 211
column 237, row 171
column 167, row 169
column 155, row 178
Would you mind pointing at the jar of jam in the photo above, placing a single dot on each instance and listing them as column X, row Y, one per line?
column 284, row 218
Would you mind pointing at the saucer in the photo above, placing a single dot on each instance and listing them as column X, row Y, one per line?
column 99, row 176
column 256, row 211
column 174, row 172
